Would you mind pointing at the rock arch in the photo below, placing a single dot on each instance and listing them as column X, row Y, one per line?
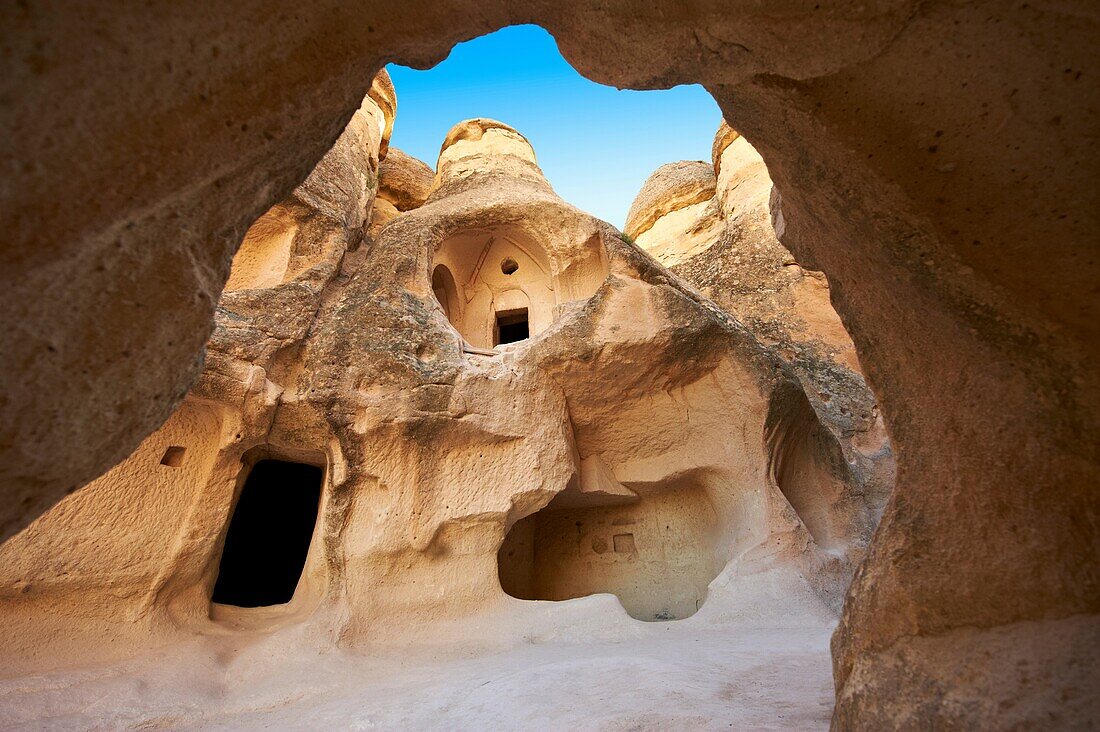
column 946, row 209
column 805, row 464
column 484, row 288
column 655, row 550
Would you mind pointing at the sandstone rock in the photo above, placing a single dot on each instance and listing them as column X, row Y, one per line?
column 723, row 138
column 933, row 159
column 384, row 97
column 478, row 146
column 672, row 188
column 504, row 401
column 711, row 224
column 727, row 247
column 134, row 564
column 403, row 180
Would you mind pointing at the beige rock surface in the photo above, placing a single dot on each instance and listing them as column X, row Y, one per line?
column 403, row 180
column 933, row 159
column 125, row 546
column 639, row 443
column 711, row 224
column 671, row 188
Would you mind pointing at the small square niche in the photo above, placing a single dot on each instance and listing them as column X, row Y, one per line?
column 624, row 543
column 173, row 456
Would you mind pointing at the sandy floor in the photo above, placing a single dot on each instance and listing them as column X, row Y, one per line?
column 676, row 676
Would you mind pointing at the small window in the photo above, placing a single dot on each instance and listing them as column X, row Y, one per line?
column 512, row 326
column 173, row 456
column 509, row 266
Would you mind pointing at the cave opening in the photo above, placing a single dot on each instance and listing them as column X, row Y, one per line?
column 655, row 552
column 269, row 534
column 512, row 326
column 805, row 463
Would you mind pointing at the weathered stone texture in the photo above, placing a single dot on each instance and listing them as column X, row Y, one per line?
column 933, row 159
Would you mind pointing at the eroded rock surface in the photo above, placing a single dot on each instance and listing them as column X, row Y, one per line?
column 934, row 159
column 679, row 196
column 711, row 224
column 504, row 400
column 403, row 180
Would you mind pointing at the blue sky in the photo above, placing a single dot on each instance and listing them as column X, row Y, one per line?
column 596, row 144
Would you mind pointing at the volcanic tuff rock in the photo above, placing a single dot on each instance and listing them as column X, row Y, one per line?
column 459, row 468
column 711, row 224
column 935, row 159
column 87, row 562
column 403, row 180
column 671, row 188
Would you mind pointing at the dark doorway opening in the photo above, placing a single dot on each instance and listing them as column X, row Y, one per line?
column 512, row 326
column 269, row 534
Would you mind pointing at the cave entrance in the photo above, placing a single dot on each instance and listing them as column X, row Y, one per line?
column 269, row 534
column 512, row 326
column 807, row 466
column 655, row 552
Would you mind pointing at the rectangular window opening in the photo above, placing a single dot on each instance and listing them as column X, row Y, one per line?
column 269, row 535
column 173, row 456
column 512, row 326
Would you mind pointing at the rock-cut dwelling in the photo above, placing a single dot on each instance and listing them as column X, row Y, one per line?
column 934, row 159
column 483, row 398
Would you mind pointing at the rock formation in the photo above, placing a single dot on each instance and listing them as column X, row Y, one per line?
column 711, row 224
column 403, row 183
column 86, row 563
column 493, row 395
column 933, row 159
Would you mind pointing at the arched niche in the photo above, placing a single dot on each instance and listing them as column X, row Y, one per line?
column 445, row 290
column 503, row 276
column 264, row 256
column 655, row 546
column 805, row 463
